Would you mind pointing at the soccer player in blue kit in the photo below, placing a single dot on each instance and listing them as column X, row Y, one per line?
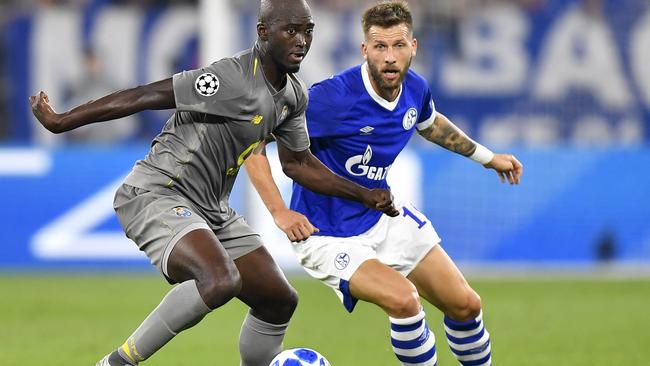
column 174, row 203
column 359, row 121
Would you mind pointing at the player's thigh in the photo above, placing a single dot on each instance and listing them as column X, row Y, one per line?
column 379, row 284
column 265, row 289
column 407, row 240
column 170, row 232
column 440, row 282
column 199, row 255
column 333, row 261
column 211, row 253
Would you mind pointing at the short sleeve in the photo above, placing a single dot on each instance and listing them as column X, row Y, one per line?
column 428, row 112
column 210, row 90
column 292, row 133
column 324, row 110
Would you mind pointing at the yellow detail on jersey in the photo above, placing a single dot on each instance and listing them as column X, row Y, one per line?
column 257, row 119
column 255, row 67
column 242, row 157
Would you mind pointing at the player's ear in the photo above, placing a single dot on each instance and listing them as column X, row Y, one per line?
column 262, row 32
column 364, row 50
column 415, row 47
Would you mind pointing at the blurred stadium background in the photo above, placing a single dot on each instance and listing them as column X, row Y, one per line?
column 564, row 84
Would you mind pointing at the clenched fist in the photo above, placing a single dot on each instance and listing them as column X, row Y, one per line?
column 380, row 200
column 44, row 112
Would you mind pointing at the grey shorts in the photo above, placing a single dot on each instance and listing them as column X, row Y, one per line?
column 157, row 221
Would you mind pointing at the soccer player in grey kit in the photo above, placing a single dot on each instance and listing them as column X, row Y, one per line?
column 174, row 204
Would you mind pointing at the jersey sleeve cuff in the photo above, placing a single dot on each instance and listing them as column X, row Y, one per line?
column 427, row 123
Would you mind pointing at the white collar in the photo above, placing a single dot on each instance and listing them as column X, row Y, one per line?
column 381, row 101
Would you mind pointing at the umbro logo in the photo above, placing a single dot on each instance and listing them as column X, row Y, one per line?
column 367, row 130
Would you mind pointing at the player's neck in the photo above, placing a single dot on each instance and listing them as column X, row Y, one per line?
column 389, row 94
column 276, row 77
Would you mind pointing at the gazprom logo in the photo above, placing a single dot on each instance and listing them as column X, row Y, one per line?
column 359, row 166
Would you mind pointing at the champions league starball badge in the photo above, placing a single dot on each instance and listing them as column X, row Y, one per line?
column 207, row 84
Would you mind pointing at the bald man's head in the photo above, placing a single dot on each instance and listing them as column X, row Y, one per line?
column 284, row 32
column 274, row 10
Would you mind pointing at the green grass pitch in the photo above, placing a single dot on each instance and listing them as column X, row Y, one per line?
column 74, row 320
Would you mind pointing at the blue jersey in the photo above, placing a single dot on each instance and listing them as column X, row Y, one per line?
column 358, row 135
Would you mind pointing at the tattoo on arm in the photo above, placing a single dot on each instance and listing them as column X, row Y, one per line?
column 447, row 135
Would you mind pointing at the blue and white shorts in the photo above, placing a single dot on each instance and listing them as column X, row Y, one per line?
column 399, row 242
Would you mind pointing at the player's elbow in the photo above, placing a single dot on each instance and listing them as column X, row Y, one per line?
column 292, row 169
column 295, row 164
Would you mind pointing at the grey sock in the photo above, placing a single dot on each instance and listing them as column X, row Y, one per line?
column 260, row 341
column 114, row 359
column 181, row 308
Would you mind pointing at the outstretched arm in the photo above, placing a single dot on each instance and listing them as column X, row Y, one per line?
column 444, row 133
column 294, row 224
column 308, row 171
column 157, row 95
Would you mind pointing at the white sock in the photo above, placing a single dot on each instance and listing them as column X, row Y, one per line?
column 413, row 343
column 469, row 341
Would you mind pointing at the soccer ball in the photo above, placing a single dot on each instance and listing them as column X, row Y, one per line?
column 299, row 357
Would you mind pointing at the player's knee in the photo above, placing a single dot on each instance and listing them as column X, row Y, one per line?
column 218, row 289
column 467, row 309
column 279, row 308
column 288, row 303
column 403, row 304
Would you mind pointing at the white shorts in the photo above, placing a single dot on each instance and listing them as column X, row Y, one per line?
column 399, row 242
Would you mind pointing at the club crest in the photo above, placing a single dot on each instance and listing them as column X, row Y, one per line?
column 284, row 114
column 410, row 118
column 182, row 212
column 341, row 261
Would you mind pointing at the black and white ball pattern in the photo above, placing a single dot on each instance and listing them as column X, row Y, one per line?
column 207, row 84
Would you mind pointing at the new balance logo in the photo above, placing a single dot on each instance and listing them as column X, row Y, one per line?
column 367, row 130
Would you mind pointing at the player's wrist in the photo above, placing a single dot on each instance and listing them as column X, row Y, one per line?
column 482, row 154
column 56, row 122
column 276, row 210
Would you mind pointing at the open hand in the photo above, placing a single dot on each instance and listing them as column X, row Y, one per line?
column 294, row 224
column 507, row 168
column 44, row 112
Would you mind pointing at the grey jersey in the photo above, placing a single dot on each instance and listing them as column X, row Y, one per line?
column 223, row 112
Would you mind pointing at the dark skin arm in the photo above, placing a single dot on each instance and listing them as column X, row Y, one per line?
column 154, row 96
column 308, row 171
column 294, row 224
